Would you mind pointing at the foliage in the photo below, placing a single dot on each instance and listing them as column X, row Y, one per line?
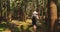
column 18, row 26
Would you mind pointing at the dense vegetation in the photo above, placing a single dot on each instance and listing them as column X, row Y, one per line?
column 14, row 14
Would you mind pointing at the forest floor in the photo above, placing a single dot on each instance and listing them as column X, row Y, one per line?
column 18, row 24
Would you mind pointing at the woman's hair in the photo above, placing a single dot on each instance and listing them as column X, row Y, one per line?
column 33, row 17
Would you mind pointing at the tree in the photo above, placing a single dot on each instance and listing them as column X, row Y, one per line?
column 52, row 13
column 0, row 8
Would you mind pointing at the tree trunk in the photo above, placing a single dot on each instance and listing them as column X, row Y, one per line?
column 8, row 10
column 53, row 9
column 0, row 8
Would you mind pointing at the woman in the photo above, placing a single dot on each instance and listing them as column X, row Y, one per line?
column 34, row 20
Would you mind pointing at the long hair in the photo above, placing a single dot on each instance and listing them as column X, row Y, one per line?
column 33, row 18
